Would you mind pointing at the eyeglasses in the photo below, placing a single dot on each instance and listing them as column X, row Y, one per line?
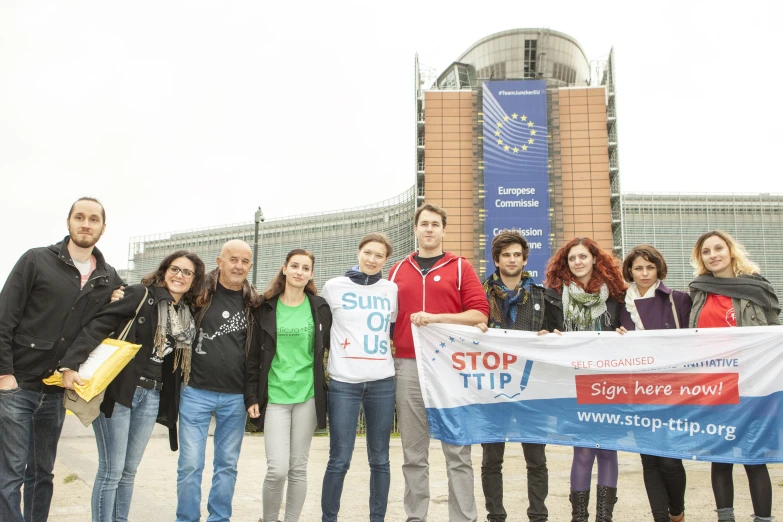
column 175, row 270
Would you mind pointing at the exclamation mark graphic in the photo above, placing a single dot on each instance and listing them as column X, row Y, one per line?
column 526, row 375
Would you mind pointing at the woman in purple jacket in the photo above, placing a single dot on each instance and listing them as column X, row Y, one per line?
column 650, row 305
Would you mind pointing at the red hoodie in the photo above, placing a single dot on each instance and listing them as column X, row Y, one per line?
column 450, row 287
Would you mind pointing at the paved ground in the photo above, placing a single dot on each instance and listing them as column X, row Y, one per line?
column 155, row 493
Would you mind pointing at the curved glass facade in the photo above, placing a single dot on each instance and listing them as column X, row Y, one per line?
column 528, row 53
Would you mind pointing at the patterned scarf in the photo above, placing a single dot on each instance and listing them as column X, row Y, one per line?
column 506, row 317
column 582, row 310
column 179, row 324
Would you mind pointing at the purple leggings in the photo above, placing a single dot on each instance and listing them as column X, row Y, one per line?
column 582, row 468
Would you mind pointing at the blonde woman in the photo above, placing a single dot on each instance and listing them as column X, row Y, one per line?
column 728, row 291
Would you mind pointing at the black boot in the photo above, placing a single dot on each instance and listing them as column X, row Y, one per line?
column 606, row 498
column 579, row 502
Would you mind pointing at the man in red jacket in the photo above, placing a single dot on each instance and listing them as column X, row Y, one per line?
column 434, row 287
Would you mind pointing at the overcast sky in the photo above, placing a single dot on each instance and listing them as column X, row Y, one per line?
column 181, row 115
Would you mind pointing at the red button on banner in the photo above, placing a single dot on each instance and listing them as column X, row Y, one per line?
column 708, row 389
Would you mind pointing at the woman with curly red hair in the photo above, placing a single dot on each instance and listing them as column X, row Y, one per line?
column 585, row 287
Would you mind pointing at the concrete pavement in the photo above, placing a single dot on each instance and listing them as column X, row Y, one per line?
column 156, row 483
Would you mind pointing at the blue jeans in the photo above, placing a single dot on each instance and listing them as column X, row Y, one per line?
column 377, row 399
column 195, row 412
column 31, row 423
column 121, row 442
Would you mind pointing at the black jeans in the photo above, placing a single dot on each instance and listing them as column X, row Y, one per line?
column 758, row 481
column 537, row 481
column 664, row 480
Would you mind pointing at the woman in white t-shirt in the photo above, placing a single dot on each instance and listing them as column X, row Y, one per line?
column 361, row 371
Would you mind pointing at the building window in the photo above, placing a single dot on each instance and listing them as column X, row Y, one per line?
column 530, row 59
column 449, row 81
column 464, row 77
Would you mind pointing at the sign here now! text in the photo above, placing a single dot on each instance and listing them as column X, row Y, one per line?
column 708, row 389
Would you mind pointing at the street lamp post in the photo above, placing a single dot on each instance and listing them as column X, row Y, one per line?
column 259, row 220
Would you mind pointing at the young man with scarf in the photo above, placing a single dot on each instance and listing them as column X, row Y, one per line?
column 515, row 303
column 214, row 384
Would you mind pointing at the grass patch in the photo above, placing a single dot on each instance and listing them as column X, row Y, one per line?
column 70, row 478
column 780, row 484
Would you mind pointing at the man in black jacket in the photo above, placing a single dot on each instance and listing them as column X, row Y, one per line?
column 515, row 303
column 50, row 293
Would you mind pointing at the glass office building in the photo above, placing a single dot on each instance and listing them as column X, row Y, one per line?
column 521, row 53
column 673, row 223
column 332, row 236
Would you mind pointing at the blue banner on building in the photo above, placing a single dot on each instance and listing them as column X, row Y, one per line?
column 516, row 167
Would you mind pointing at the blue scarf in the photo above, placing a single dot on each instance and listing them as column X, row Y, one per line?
column 360, row 278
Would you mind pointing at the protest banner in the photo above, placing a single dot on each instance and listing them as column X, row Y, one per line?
column 709, row 394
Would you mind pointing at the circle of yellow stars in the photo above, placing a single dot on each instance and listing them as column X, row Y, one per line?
column 515, row 149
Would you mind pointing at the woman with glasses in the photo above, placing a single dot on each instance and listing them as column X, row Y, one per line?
column 650, row 305
column 728, row 291
column 285, row 392
column 147, row 388
column 584, row 290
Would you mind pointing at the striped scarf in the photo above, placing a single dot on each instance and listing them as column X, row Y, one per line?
column 506, row 316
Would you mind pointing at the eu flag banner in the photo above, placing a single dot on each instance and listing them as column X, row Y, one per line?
column 516, row 166
column 710, row 394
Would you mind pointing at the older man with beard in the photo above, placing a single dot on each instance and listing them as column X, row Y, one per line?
column 50, row 293
column 213, row 383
